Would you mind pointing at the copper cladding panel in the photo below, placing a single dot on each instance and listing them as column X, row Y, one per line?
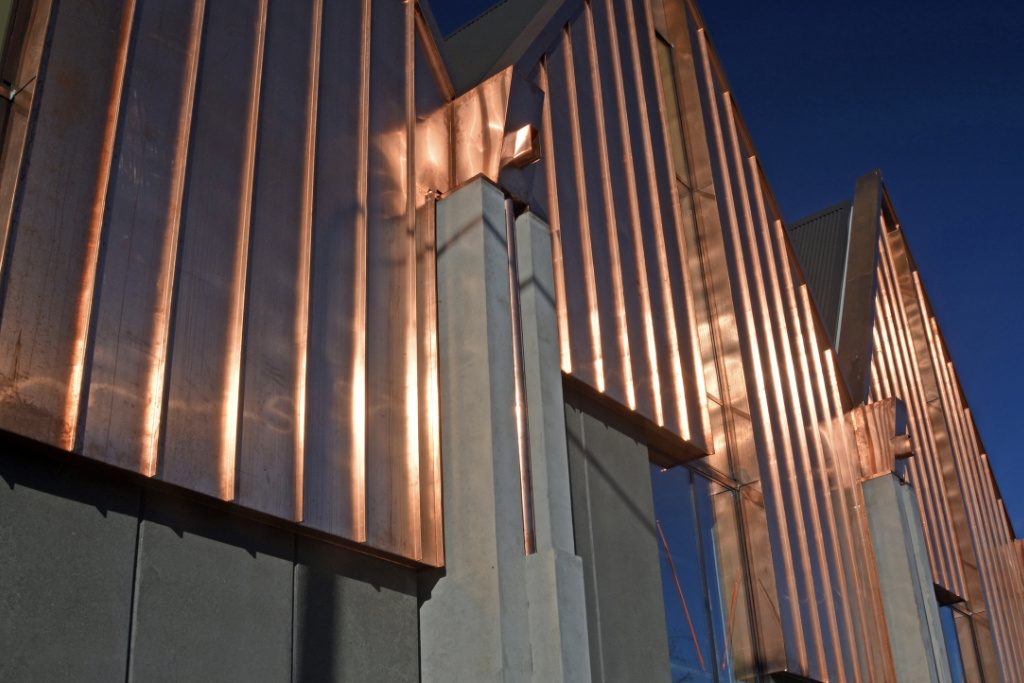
column 968, row 536
column 219, row 271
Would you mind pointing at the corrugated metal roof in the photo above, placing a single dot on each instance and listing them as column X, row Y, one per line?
column 821, row 242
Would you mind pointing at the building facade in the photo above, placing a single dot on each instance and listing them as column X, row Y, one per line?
column 335, row 349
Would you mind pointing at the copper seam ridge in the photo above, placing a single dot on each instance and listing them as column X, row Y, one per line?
column 634, row 214
column 664, row 277
column 981, row 484
column 565, row 353
column 689, row 304
column 158, row 368
column 752, row 347
column 924, row 483
column 357, row 453
column 609, row 207
column 968, row 452
column 899, row 329
column 919, row 421
column 783, row 408
column 81, row 340
column 880, row 358
column 901, row 372
column 813, row 350
column 930, row 479
column 780, row 275
column 305, row 257
column 593, row 316
column 969, row 482
column 230, row 417
column 412, row 415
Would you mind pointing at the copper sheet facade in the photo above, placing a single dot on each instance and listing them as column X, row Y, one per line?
column 218, row 271
column 218, row 265
column 970, row 540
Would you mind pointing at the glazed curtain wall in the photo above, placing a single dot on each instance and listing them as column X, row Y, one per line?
column 970, row 542
column 218, row 259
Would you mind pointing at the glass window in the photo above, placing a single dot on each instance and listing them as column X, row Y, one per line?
column 956, row 665
column 694, row 614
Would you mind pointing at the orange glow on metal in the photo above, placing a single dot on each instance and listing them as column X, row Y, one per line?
column 236, row 318
column 305, row 256
column 92, row 246
column 668, row 306
column 750, row 340
column 565, row 355
column 638, row 244
column 157, row 369
column 609, row 211
column 412, row 406
column 581, row 197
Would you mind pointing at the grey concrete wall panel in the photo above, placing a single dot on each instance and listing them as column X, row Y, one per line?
column 911, row 610
column 213, row 598
column 67, row 549
column 355, row 617
column 820, row 242
column 554, row 574
column 474, row 621
column 613, row 517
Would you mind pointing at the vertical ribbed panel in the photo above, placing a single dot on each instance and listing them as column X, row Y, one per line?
column 828, row 599
column 624, row 298
column 220, row 268
column 969, row 539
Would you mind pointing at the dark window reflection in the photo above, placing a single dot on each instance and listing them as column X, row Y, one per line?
column 956, row 665
column 694, row 616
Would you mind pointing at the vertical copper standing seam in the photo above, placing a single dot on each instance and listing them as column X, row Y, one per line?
column 412, row 394
column 901, row 335
column 922, row 470
column 157, row 379
column 93, row 244
column 305, row 256
column 781, row 276
column 609, row 210
column 634, row 213
column 522, row 417
column 882, row 667
column 230, row 416
column 664, row 278
column 782, row 379
column 927, row 487
column 753, row 351
column 968, row 455
column 881, row 359
column 590, row 284
column 861, row 573
column 1000, row 545
column 905, row 368
column 1007, row 610
column 679, row 589
column 358, row 449
column 565, row 354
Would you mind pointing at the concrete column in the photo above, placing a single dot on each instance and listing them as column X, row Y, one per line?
column 474, row 622
column 554, row 573
column 911, row 610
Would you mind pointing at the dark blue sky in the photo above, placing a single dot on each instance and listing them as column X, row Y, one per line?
column 931, row 93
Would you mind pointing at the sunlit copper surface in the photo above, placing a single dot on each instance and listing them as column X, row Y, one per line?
column 251, row 321
column 968, row 535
